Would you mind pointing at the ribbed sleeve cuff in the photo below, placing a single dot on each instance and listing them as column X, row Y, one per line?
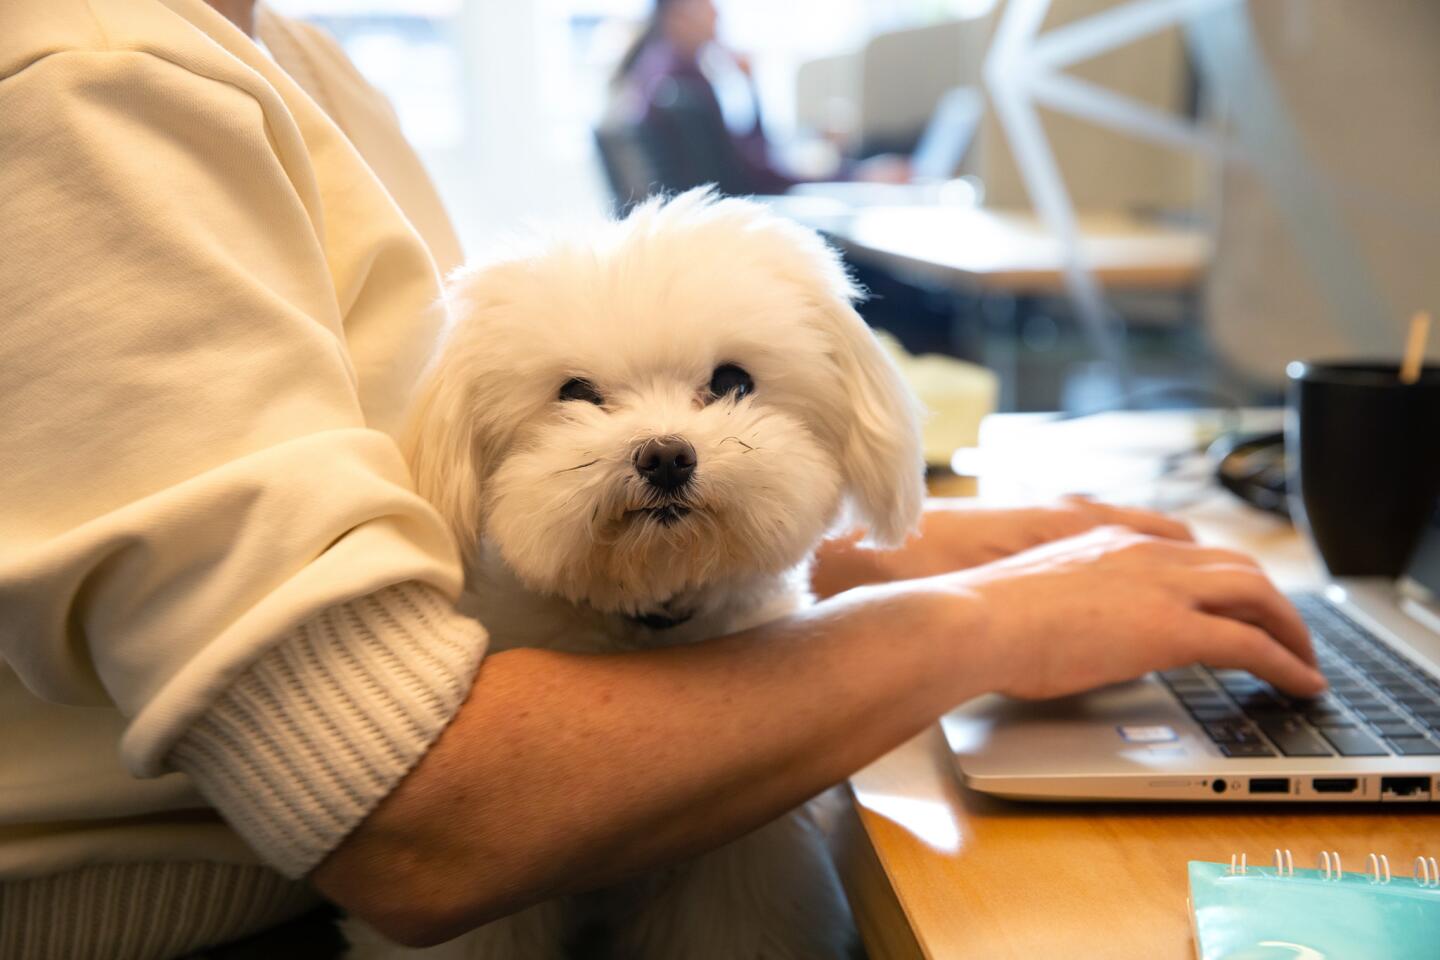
column 322, row 726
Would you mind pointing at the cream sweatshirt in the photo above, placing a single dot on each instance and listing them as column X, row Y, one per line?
column 218, row 588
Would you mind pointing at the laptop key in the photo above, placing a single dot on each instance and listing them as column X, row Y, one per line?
column 1353, row 742
column 1221, row 732
column 1295, row 739
column 1398, row 728
column 1348, row 687
column 1395, row 690
column 1381, row 714
column 1232, row 733
column 1213, row 714
column 1256, row 749
column 1258, row 700
column 1269, row 715
column 1414, row 746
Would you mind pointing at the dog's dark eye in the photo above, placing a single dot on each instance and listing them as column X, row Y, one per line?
column 578, row 389
column 731, row 380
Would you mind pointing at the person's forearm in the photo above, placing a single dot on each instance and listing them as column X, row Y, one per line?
column 564, row 772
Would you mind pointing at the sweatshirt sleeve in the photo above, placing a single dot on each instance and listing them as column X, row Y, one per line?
column 197, row 526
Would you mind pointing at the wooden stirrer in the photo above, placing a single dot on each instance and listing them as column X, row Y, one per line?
column 1415, row 347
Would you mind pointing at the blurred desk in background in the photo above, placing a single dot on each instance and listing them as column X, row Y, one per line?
column 938, row 871
column 1004, row 273
column 979, row 249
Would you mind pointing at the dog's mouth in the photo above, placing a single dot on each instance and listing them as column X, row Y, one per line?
column 666, row 515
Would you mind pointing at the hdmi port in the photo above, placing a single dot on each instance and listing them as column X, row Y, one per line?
column 1335, row 784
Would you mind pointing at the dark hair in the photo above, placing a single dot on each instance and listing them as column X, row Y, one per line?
column 649, row 33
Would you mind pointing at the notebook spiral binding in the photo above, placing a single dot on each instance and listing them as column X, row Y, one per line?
column 1425, row 871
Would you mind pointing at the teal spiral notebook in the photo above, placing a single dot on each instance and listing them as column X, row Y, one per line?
column 1242, row 912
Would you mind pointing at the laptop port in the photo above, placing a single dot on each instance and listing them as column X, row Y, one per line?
column 1335, row 784
column 1404, row 788
column 1269, row 784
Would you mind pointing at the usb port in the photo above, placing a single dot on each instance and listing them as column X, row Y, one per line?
column 1269, row 784
column 1404, row 788
column 1335, row 784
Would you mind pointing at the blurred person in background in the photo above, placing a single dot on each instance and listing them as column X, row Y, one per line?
column 697, row 109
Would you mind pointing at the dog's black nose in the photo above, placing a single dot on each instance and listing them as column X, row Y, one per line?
column 666, row 462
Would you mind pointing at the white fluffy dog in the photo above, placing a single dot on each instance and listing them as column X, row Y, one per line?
column 639, row 437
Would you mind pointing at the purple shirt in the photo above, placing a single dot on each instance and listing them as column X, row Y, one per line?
column 677, row 107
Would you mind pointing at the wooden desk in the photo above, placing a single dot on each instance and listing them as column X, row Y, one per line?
column 1002, row 265
column 976, row 248
column 935, row 870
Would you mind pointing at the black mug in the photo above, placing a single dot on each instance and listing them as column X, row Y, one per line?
column 1364, row 460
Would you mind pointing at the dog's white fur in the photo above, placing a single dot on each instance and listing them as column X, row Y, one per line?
column 546, row 501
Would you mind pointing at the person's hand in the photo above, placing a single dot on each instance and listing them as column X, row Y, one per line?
column 884, row 168
column 954, row 534
column 958, row 533
column 1112, row 605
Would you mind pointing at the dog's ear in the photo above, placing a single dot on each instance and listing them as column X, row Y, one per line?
column 442, row 446
column 880, row 454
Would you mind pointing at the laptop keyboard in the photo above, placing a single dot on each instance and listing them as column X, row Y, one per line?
column 1379, row 702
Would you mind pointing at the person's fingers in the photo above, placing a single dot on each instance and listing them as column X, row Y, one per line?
column 1198, row 556
column 1227, row 643
column 1147, row 521
column 1243, row 593
column 1142, row 521
column 1167, row 550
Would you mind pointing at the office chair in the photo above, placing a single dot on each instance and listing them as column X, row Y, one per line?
column 626, row 162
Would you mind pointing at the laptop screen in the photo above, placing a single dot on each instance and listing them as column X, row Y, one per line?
column 952, row 127
column 1425, row 565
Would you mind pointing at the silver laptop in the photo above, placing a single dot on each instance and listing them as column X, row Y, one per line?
column 937, row 157
column 948, row 135
column 1222, row 735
